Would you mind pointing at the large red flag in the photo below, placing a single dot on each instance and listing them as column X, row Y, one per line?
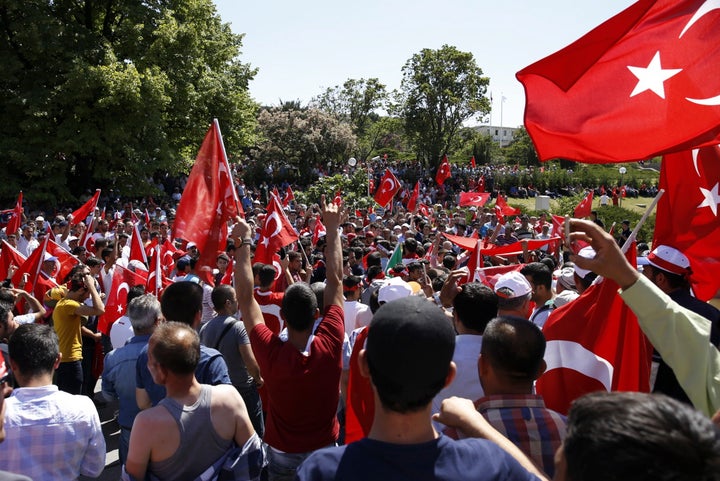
column 473, row 198
column 122, row 280
column 594, row 343
column 276, row 232
column 389, row 186
column 443, row 172
column 37, row 283
column 642, row 84
column 84, row 211
column 15, row 216
column 137, row 250
column 505, row 208
column 67, row 260
column 584, row 208
column 9, row 256
column 208, row 202
column 412, row 203
column 687, row 215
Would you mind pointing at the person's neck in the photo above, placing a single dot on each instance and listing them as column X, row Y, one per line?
column 35, row 381
column 402, row 428
column 183, row 389
column 299, row 339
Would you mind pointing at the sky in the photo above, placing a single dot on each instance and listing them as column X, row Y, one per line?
column 303, row 48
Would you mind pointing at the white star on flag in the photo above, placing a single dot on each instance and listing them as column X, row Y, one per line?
column 712, row 198
column 652, row 77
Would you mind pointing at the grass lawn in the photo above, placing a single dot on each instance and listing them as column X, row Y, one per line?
column 638, row 205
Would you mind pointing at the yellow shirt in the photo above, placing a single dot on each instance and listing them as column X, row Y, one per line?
column 68, row 325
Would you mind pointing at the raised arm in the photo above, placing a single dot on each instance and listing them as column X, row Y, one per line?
column 333, row 254
column 244, row 284
column 98, row 308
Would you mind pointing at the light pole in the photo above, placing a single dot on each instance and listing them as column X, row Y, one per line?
column 622, row 171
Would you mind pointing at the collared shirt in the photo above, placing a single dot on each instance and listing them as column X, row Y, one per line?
column 524, row 420
column 52, row 435
column 118, row 378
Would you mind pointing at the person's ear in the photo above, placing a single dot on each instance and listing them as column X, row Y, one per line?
column 452, row 371
column 363, row 364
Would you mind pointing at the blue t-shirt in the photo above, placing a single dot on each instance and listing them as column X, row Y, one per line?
column 211, row 369
column 439, row 459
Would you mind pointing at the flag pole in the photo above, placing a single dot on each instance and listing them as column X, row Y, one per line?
column 642, row 220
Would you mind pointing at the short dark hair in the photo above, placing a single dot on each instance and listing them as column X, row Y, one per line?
column 220, row 295
column 639, row 437
column 34, row 348
column 266, row 275
column 539, row 273
column 515, row 347
column 373, row 259
column 299, row 305
column 176, row 347
column 181, row 301
column 449, row 261
column 475, row 305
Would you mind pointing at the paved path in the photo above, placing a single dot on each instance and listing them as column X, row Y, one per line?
column 111, row 430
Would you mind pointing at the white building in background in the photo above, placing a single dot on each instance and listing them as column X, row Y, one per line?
column 501, row 135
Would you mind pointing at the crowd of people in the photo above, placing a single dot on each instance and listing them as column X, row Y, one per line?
column 377, row 346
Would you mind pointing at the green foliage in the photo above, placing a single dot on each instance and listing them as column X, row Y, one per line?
column 440, row 89
column 521, row 150
column 108, row 94
column 354, row 190
column 356, row 102
column 302, row 140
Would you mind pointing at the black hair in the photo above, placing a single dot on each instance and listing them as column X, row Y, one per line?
column 34, row 348
column 266, row 275
column 475, row 306
column 220, row 295
column 299, row 306
column 181, row 301
column 540, row 274
column 515, row 347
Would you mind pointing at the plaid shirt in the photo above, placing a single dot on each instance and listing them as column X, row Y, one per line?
column 525, row 421
column 52, row 435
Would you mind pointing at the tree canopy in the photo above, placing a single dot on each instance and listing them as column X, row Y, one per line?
column 105, row 94
column 440, row 90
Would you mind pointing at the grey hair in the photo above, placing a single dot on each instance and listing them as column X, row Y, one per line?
column 143, row 311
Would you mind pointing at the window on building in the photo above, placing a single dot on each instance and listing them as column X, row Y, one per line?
column 496, row 132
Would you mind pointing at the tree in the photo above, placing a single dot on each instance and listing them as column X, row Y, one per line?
column 106, row 94
column 440, row 90
column 304, row 140
column 356, row 102
column 521, row 150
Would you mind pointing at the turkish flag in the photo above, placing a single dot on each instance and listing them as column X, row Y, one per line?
column 506, row 210
column 584, row 208
column 228, row 278
column 412, row 203
column 594, row 343
column 687, row 214
column 644, row 83
column 481, row 184
column 208, row 202
column 275, row 233
column 443, row 172
column 467, row 243
column 9, row 256
column 424, row 210
column 475, row 264
column 473, row 198
column 15, row 219
column 389, row 186
column 137, row 251
column 67, row 260
column 288, row 196
column 318, row 231
column 472, row 162
column 122, row 280
column 37, row 283
column 85, row 210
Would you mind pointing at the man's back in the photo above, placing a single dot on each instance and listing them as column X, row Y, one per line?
column 52, row 435
column 439, row 459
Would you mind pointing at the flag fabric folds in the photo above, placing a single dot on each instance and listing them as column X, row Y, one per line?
column 85, row 210
column 477, row 199
column 584, row 208
column 208, row 201
column 687, row 214
column 644, row 83
column 15, row 216
column 443, row 172
column 275, row 233
column 122, row 280
column 594, row 343
column 412, row 203
column 389, row 186
column 395, row 258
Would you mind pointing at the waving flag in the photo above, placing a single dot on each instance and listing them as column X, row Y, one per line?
column 208, row 202
column 15, row 216
column 137, row 251
column 481, row 184
column 85, row 210
column 688, row 215
column 473, row 198
column 505, row 209
column 443, row 172
column 275, row 233
column 9, row 256
column 67, row 260
column 642, row 84
column 412, row 203
column 472, row 162
column 122, row 280
column 584, row 208
column 318, row 231
column 288, row 196
column 389, row 186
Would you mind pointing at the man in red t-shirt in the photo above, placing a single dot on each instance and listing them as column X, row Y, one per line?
column 302, row 374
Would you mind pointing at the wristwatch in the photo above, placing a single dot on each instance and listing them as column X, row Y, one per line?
column 246, row 242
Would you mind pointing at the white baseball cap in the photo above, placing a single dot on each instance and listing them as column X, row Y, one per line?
column 514, row 284
column 395, row 288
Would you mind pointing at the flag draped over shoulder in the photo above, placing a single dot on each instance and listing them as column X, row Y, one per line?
column 688, row 214
column 593, row 343
column 643, row 83
column 208, row 201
